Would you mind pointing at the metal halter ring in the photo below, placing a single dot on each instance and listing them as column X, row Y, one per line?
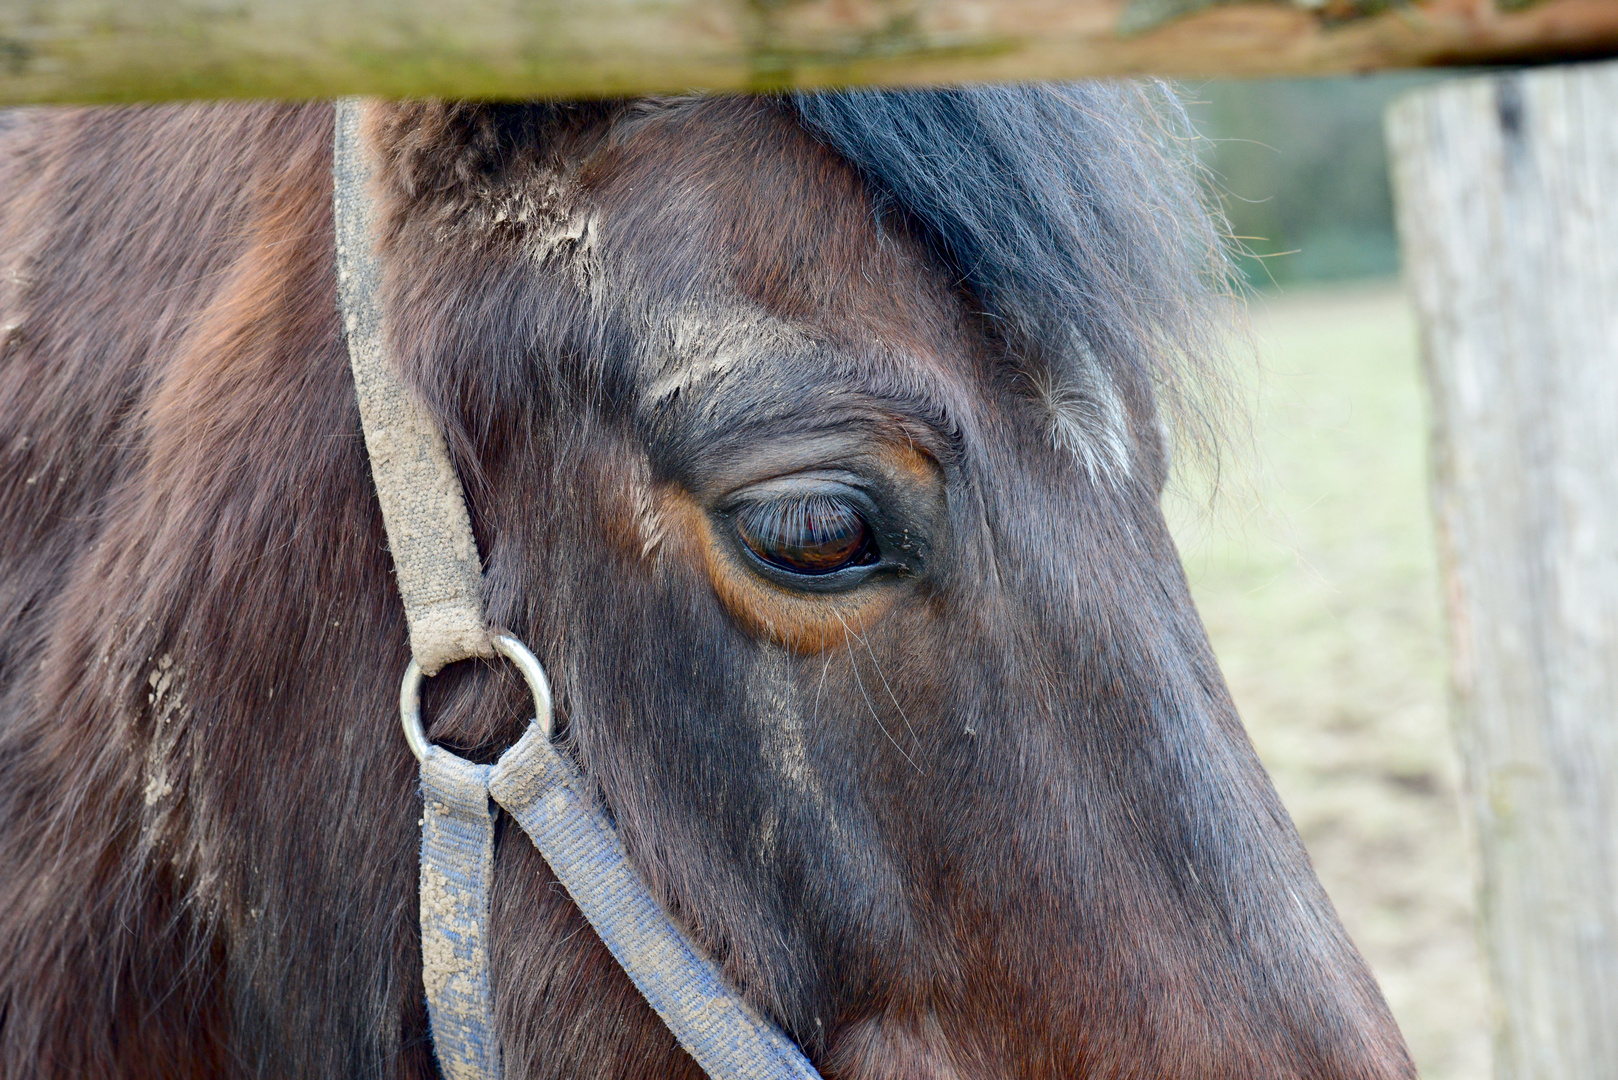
column 506, row 645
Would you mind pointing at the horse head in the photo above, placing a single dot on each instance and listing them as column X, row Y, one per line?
column 816, row 446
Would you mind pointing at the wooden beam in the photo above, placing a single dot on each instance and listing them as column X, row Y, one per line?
column 126, row 50
column 1510, row 231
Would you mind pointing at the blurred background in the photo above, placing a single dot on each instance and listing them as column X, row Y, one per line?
column 1315, row 567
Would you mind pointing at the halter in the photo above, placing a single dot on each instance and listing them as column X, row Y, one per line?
column 440, row 579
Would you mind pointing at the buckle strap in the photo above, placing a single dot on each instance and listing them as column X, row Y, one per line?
column 440, row 579
column 435, row 556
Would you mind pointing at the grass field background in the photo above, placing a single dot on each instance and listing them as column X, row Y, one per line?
column 1315, row 574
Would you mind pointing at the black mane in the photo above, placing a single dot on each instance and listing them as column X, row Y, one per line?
column 1062, row 208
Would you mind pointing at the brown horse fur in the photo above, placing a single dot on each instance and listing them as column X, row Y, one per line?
column 987, row 813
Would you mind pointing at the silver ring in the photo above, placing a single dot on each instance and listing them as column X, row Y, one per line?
column 532, row 672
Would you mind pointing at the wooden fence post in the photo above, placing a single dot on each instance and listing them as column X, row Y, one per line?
column 157, row 50
column 1507, row 188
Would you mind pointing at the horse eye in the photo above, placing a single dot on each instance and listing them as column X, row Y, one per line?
column 811, row 534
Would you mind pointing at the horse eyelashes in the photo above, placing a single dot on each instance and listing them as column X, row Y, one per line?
column 808, row 534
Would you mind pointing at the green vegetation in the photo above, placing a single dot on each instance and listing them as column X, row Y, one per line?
column 1315, row 574
column 1301, row 170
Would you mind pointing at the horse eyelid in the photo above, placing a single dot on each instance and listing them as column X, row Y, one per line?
column 796, row 533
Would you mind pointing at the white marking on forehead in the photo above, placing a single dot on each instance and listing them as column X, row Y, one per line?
column 685, row 342
column 694, row 344
column 1087, row 417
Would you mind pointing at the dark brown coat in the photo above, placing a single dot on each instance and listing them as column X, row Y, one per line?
column 984, row 812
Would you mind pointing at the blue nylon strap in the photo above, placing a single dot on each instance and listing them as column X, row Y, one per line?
column 541, row 789
column 440, row 581
column 543, row 792
column 457, row 869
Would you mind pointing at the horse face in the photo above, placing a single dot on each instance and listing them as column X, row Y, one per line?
column 862, row 616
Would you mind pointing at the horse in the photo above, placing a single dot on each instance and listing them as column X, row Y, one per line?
column 816, row 445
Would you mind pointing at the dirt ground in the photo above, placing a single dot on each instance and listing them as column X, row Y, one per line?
column 1315, row 575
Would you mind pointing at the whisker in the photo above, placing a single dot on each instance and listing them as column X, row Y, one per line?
column 814, row 712
column 853, row 663
column 877, row 664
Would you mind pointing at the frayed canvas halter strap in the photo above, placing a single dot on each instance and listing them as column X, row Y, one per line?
column 440, row 579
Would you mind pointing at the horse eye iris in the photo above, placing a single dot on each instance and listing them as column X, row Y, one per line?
column 810, row 535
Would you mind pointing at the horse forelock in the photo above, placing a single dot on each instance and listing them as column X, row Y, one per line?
column 1074, row 215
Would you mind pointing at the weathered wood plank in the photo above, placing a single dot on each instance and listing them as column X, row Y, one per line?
column 1510, row 229
column 109, row 50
